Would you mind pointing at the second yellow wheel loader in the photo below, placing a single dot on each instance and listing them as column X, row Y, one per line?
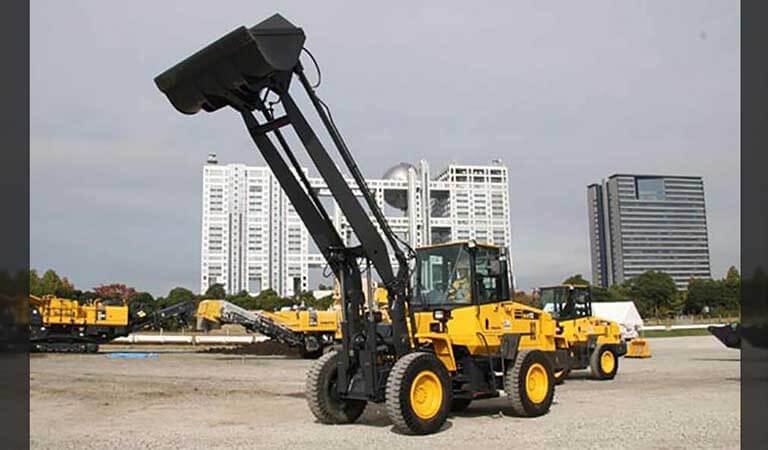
column 453, row 334
column 592, row 342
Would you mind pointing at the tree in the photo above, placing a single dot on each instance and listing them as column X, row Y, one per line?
column 216, row 291
column 615, row 293
column 576, row 279
column 35, row 283
column 50, row 284
column 733, row 289
column 719, row 296
column 654, row 293
column 178, row 295
column 115, row 291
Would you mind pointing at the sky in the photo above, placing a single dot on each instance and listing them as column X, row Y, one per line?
column 565, row 93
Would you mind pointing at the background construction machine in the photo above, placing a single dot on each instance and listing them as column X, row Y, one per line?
column 310, row 331
column 65, row 325
column 453, row 336
column 593, row 343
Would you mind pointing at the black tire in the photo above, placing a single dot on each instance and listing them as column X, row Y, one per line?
column 561, row 375
column 306, row 354
column 425, row 369
column 460, row 404
column 597, row 363
column 311, row 347
column 520, row 374
column 322, row 397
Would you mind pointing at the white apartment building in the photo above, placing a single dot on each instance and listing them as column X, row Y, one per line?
column 252, row 239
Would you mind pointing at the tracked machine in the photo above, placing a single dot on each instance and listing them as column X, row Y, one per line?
column 592, row 342
column 453, row 334
column 60, row 325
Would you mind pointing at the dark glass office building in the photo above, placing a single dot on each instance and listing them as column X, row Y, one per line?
column 648, row 222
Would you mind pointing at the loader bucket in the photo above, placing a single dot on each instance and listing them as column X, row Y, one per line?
column 729, row 335
column 638, row 348
column 233, row 70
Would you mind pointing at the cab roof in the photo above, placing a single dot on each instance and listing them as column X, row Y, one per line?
column 454, row 243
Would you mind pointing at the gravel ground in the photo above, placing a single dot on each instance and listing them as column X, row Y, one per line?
column 686, row 396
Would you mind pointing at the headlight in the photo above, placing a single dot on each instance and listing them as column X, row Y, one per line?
column 441, row 315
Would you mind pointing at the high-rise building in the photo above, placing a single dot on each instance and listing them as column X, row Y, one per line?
column 639, row 223
column 252, row 238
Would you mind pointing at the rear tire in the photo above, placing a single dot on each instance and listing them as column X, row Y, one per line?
column 529, row 383
column 322, row 396
column 314, row 343
column 418, row 396
column 604, row 363
column 460, row 404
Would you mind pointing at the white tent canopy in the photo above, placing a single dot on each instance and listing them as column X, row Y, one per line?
column 624, row 313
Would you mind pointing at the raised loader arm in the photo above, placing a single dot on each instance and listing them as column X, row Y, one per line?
column 240, row 70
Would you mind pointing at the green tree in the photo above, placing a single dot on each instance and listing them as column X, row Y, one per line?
column 654, row 293
column 615, row 293
column 49, row 282
column 216, row 291
column 35, row 283
column 733, row 289
column 577, row 279
column 178, row 295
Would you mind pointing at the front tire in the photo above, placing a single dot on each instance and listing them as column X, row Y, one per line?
column 418, row 396
column 323, row 397
column 604, row 363
column 530, row 384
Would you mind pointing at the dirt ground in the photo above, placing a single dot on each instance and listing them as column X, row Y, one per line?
column 686, row 396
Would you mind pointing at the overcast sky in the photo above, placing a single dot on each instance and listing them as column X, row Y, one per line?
column 566, row 93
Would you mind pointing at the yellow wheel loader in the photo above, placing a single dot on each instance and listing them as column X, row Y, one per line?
column 453, row 335
column 592, row 342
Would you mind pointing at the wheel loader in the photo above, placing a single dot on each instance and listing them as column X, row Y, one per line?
column 592, row 342
column 453, row 334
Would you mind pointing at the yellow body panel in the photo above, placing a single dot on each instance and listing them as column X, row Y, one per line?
column 304, row 321
column 578, row 331
column 61, row 311
column 301, row 321
column 480, row 329
column 209, row 310
column 638, row 348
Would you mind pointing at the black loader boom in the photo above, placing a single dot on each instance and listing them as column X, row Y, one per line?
column 241, row 70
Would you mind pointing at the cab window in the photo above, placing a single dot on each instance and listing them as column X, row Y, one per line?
column 488, row 275
column 443, row 277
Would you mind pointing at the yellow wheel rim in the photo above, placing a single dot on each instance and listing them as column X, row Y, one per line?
column 536, row 383
column 426, row 394
column 607, row 361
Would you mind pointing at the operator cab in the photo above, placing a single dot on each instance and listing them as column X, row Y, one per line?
column 454, row 275
column 567, row 301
